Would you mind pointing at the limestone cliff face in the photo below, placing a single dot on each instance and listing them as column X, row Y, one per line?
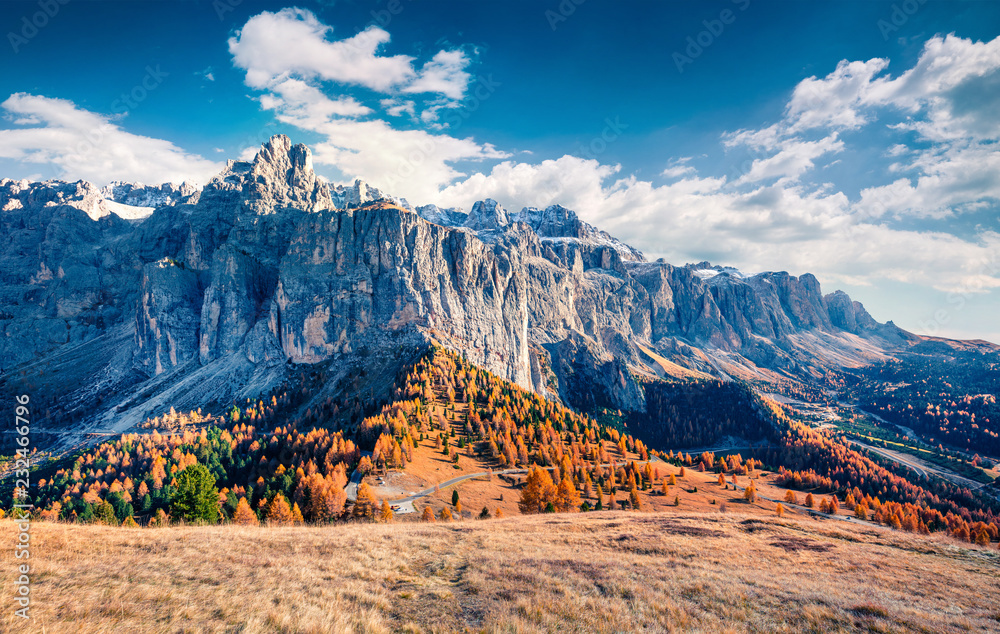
column 167, row 321
column 268, row 266
column 66, row 273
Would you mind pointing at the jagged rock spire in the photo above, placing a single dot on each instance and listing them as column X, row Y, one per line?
column 282, row 176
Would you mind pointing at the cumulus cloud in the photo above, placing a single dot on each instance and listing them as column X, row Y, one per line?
column 294, row 43
column 947, row 99
column 272, row 46
column 677, row 168
column 793, row 159
column 444, row 74
column 86, row 145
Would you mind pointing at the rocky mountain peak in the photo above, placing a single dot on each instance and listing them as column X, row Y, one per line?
column 487, row 215
column 356, row 194
column 555, row 221
column 452, row 217
column 282, row 176
column 148, row 196
column 82, row 195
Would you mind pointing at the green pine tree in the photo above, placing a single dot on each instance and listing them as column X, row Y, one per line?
column 196, row 498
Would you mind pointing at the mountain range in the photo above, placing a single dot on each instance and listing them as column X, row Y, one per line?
column 122, row 301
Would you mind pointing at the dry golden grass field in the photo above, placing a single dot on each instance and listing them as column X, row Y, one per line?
column 594, row 572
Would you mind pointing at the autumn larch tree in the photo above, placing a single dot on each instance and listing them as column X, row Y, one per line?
column 790, row 497
column 779, row 509
column 244, row 514
column 445, row 514
column 385, row 514
column 428, row 514
column 278, row 511
column 567, row 497
column 538, row 491
column 366, row 505
column 810, row 502
column 633, row 498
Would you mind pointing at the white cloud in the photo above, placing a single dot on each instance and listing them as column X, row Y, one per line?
column 570, row 181
column 793, row 159
column 677, row 168
column 308, row 105
column 949, row 100
column 768, row 218
column 293, row 42
column 398, row 107
column 444, row 74
column 411, row 163
column 86, row 145
column 273, row 46
column 835, row 101
column 952, row 180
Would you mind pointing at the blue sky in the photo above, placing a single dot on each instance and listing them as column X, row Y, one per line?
column 853, row 140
